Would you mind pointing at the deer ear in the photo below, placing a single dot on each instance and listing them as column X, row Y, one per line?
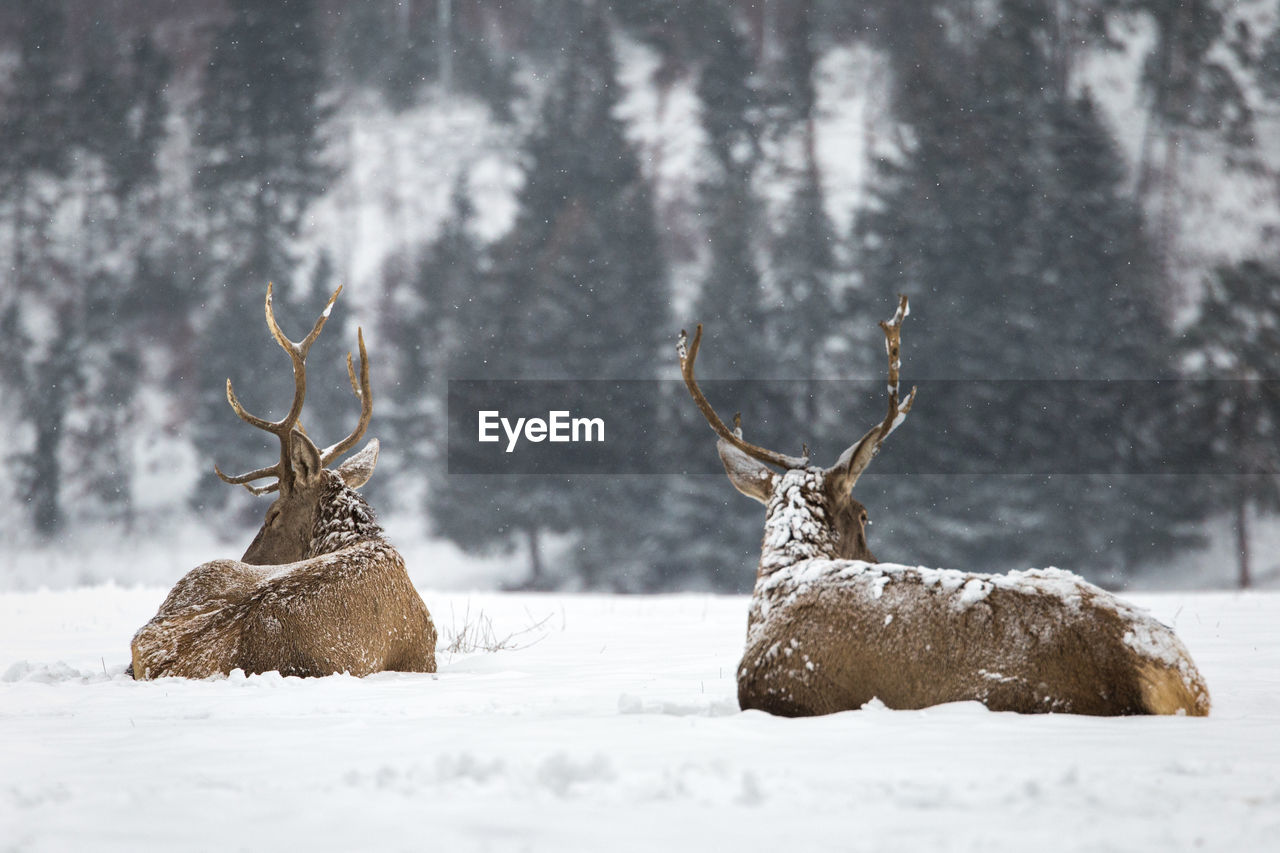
column 304, row 458
column 842, row 476
column 357, row 470
column 749, row 476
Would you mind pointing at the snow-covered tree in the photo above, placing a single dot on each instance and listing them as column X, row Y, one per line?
column 1236, row 341
column 258, row 150
column 583, row 295
column 1006, row 215
column 33, row 155
column 79, row 156
column 120, row 109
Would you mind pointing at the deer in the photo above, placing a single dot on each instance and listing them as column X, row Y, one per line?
column 830, row 628
column 320, row 589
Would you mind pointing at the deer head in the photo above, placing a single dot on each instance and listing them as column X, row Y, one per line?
column 823, row 495
column 301, row 475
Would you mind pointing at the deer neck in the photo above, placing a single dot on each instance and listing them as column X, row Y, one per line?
column 797, row 525
column 343, row 518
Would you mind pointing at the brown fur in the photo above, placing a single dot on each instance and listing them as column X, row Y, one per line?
column 350, row 610
column 828, row 634
column 857, row 631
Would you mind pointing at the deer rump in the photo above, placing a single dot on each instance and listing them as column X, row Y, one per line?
column 827, row 636
column 355, row 611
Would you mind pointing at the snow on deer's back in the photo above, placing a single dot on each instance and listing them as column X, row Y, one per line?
column 831, row 635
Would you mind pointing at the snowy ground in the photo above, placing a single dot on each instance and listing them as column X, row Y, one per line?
column 616, row 730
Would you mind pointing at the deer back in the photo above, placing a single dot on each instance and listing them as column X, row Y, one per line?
column 349, row 607
column 828, row 636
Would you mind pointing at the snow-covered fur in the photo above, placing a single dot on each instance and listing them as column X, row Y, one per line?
column 348, row 607
column 343, row 518
column 827, row 634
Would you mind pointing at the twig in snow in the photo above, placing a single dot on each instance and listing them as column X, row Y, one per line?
column 478, row 635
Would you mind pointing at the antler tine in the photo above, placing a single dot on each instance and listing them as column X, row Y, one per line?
column 303, row 346
column 364, row 392
column 298, row 354
column 251, row 419
column 892, row 345
column 306, row 343
column 245, row 479
column 861, row 453
column 241, row 479
column 688, row 355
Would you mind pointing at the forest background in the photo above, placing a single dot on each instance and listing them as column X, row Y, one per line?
column 1080, row 198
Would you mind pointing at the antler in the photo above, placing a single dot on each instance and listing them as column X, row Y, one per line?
column 688, row 354
column 854, row 460
column 364, row 394
column 283, row 428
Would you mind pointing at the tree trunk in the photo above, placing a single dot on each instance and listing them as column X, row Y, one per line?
column 45, row 467
column 444, row 40
column 19, row 235
column 535, row 559
column 1242, row 538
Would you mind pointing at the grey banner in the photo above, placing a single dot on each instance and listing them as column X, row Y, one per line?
column 956, row 427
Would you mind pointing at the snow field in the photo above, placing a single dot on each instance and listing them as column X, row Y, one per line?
column 616, row 729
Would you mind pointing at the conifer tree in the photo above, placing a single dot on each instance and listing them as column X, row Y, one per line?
column 583, row 297
column 33, row 156
column 120, row 113
column 703, row 540
column 1006, row 220
column 259, row 166
column 1236, row 341
column 778, row 332
column 76, row 145
column 802, row 267
column 427, row 323
column 445, row 324
column 730, row 297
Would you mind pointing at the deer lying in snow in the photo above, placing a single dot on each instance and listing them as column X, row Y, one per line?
column 320, row 590
column 830, row 629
